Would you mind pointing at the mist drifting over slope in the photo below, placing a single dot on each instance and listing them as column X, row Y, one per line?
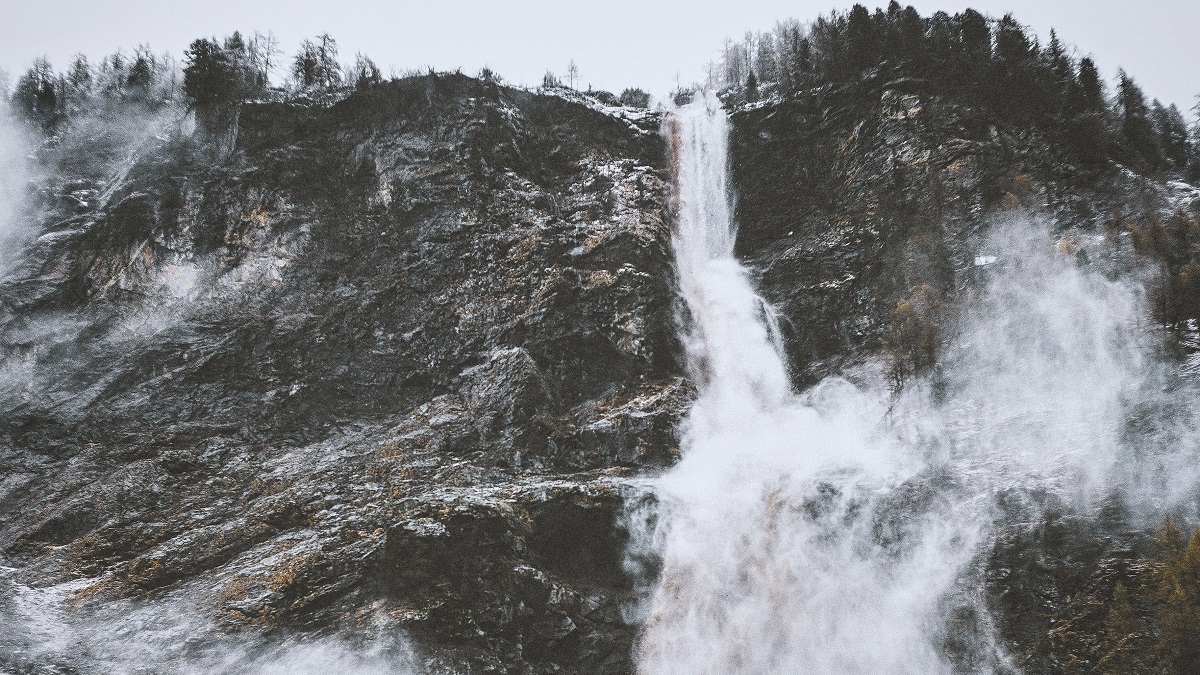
column 15, row 174
column 839, row 530
column 441, row 375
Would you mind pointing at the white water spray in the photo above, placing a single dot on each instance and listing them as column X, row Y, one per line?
column 819, row 534
column 773, row 559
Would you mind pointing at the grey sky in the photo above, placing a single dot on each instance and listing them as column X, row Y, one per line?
column 616, row 43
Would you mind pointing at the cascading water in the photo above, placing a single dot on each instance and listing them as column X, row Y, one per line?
column 771, row 562
column 839, row 531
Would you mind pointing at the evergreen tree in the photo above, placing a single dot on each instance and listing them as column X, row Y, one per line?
column 113, row 76
column 262, row 52
column 140, row 79
column 78, row 83
column 1018, row 95
column 942, row 42
column 862, row 40
column 1137, row 130
column 910, row 35
column 1193, row 163
column 635, row 98
column 751, row 87
column 1187, row 292
column 975, row 36
column 304, row 65
column 366, row 73
column 315, row 64
column 1086, row 130
column 329, row 73
column 1123, row 647
column 767, row 66
column 1091, row 89
column 1172, row 133
column 36, row 94
column 1178, row 617
column 239, row 55
column 803, row 61
column 212, row 76
column 1012, row 45
column 1059, row 63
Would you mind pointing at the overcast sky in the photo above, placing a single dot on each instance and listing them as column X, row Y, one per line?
column 616, row 44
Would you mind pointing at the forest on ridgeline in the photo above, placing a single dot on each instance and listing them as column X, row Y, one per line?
column 993, row 63
column 392, row 340
column 996, row 64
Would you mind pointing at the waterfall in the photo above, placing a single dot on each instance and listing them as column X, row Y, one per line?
column 732, row 350
column 844, row 530
column 770, row 529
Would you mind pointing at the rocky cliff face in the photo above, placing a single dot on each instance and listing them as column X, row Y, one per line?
column 386, row 361
column 866, row 210
column 853, row 199
column 390, row 366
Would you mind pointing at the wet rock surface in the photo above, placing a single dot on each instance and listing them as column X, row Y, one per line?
column 851, row 199
column 393, row 364
column 389, row 358
column 858, row 203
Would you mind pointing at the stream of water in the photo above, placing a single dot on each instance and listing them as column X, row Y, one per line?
column 837, row 531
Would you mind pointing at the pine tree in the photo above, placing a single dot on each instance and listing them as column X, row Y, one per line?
column 910, row 32
column 78, row 83
column 1123, row 647
column 262, row 53
column 35, row 96
column 1193, row 163
column 304, row 65
column 751, row 87
column 1086, row 128
column 1178, row 618
column 1012, row 45
column 861, row 38
column 366, row 73
column 316, row 65
column 1059, row 63
column 329, row 73
column 1136, row 128
column 768, row 67
column 211, row 77
column 976, row 36
column 1017, row 95
column 635, row 98
column 113, row 76
column 1187, row 291
column 139, row 82
column 1171, row 130
column 804, row 61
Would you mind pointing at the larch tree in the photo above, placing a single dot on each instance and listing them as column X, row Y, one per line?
column 572, row 73
column 35, row 96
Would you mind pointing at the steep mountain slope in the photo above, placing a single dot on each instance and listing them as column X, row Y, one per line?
column 383, row 361
column 395, row 366
column 853, row 200
column 869, row 212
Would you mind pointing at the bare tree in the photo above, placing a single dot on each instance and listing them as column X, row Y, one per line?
column 364, row 74
column 264, row 53
column 327, row 54
column 572, row 73
column 315, row 65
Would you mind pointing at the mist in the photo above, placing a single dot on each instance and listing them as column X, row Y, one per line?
column 45, row 630
column 841, row 530
column 16, row 173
